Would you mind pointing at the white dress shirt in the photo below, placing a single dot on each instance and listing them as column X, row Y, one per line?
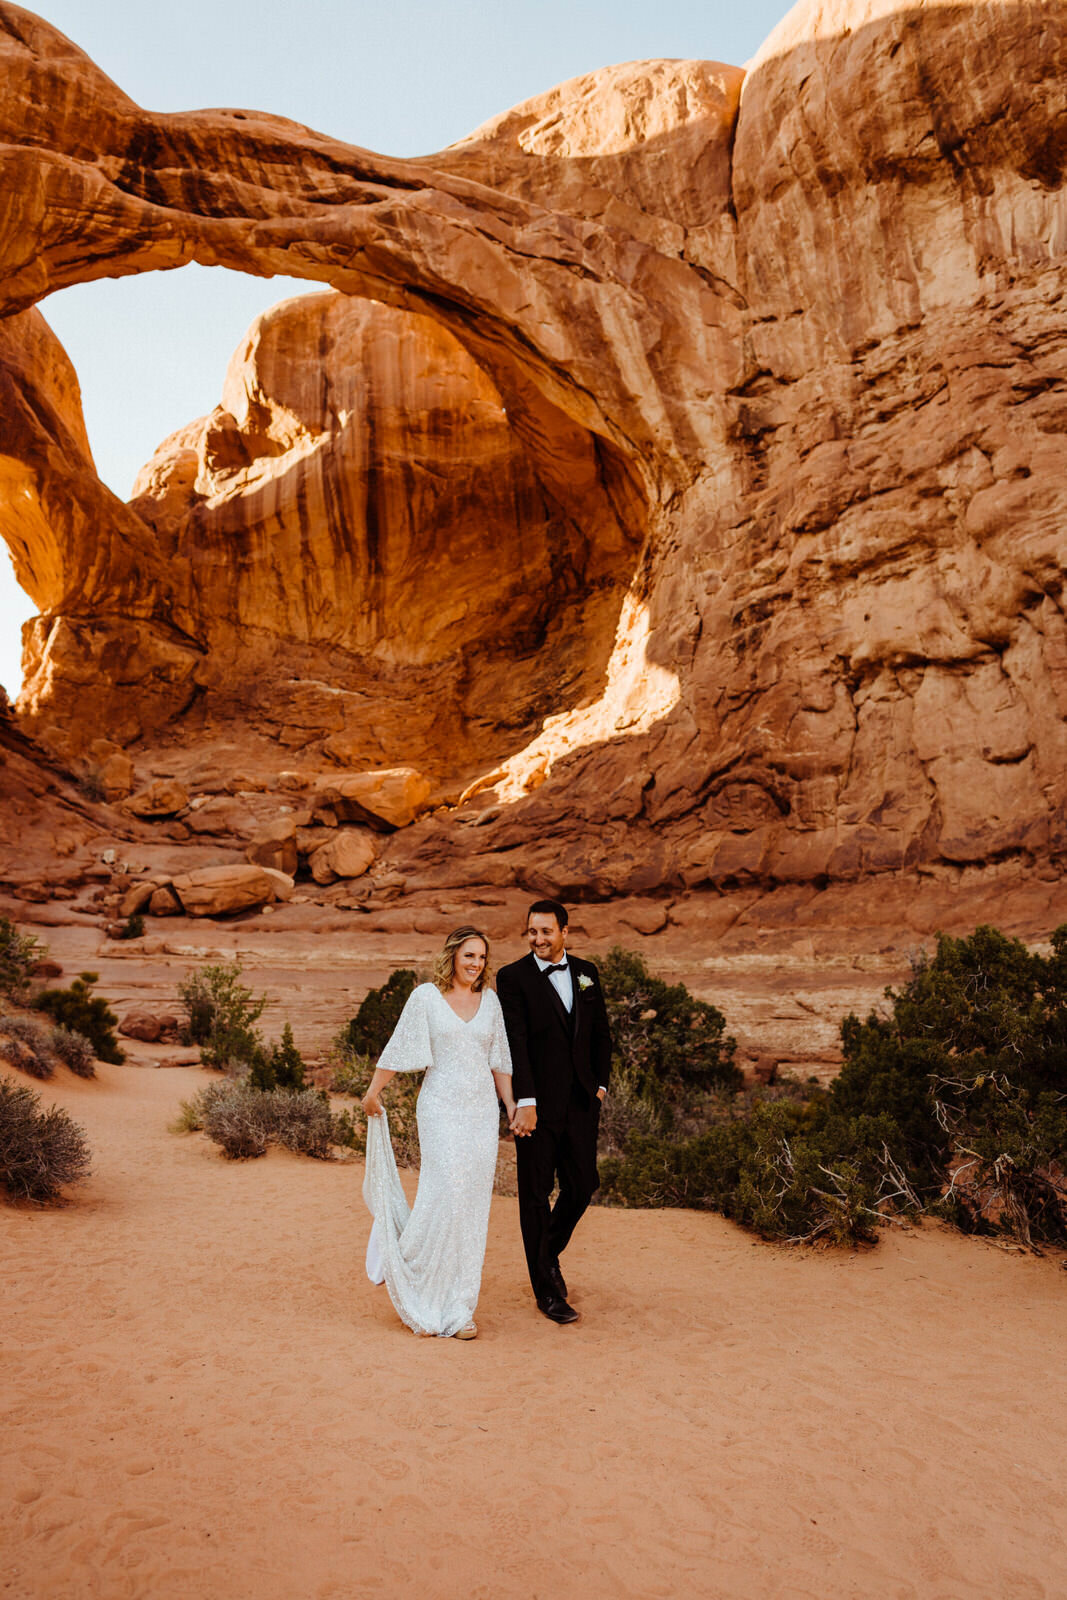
column 563, row 983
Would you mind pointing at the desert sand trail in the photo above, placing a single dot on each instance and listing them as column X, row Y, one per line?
column 204, row 1399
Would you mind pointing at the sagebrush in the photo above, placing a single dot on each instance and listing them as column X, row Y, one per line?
column 42, row 1152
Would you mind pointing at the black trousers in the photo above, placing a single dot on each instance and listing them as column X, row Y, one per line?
column 566, row 1152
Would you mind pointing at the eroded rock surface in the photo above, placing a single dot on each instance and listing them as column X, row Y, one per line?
column 802, row 330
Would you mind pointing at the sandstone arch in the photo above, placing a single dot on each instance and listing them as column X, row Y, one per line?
column 831, row 361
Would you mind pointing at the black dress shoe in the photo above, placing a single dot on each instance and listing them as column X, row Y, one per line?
column 555, row 1277
column 556, row 1309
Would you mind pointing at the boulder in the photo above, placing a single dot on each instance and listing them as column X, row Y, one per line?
column 645, row 916
column 276, row 846
column 137, row 897
column 348, row 854
column 223, row 814
column 214, row 891
column 143, row 1025
column 116, row 776
column 150, row 1026
column 283, row 883
column 163, row 902
column 164, row 797
column 387, row 799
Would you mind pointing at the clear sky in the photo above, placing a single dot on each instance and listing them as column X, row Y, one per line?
column 404, row 78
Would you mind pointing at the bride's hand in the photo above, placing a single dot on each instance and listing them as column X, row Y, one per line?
column 370, row 1105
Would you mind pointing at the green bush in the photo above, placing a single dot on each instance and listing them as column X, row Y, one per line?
column 221, row 1013
column 19, row 954
column 133, row 927
column 373, row 1023
column 84, row 1012
column 350, row 1072
column 281, row 1067
column 954, row 1101
column 41, row 1152
column 666, row 1045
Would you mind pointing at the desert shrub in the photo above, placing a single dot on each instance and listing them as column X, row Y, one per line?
column 244, row 1121
column 236, row 1123
column 41, row 1152
column 350, row 1072
column 27, row 1044
column 84, row 1012
column 667, row 1045
column 75, row 1051
column 221, row 1013
column 191, row 1113
column 627, row 1113
column 379, row 1013
column 133, row 927
column 971, row 1063
column 777, row 1170
column 349, row 1132
column 280, row 1067
column 19, row 954
column 953, row 1100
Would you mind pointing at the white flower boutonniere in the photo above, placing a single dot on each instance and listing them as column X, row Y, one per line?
column 584, row 981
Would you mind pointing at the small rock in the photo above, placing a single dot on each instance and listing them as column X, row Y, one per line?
column 347, row 855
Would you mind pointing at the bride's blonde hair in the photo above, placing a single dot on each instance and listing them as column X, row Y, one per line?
column 444, row 968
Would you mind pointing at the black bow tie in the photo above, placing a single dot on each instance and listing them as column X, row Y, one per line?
column 562, row 967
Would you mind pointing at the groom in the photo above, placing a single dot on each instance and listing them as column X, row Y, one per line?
column 557, row 1026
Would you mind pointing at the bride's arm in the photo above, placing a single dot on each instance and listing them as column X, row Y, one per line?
column 371, row 1103
column 503, row 1090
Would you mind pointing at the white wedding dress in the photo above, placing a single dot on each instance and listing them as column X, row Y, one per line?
column 430, row 1257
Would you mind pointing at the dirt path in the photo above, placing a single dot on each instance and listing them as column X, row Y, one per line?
column 204, row 1399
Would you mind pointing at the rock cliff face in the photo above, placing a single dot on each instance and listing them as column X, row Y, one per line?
column 755, row 381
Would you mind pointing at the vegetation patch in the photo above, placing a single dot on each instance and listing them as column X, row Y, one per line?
column 81, row 1011
column 953, row 1101
column 42, row 1152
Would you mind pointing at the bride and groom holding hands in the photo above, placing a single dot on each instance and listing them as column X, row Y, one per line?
column 541, row 1045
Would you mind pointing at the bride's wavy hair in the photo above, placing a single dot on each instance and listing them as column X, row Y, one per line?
column 444, row 968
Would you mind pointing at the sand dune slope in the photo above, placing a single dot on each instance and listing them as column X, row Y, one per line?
column 202, row 1397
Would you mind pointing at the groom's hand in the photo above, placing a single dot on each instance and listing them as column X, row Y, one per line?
column 524, row 1121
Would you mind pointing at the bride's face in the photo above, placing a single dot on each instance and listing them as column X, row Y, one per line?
column 469, row 962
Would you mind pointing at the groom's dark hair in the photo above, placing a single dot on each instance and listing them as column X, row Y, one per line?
column 549, row 908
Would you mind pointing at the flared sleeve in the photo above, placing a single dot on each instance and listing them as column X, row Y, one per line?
column 410, row 1048
column 499, row 1053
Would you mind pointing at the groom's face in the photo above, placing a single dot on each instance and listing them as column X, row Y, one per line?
column 547, row 939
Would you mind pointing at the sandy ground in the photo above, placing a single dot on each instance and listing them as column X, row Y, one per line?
column 203, row 1397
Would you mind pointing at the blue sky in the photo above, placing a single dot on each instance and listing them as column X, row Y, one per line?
column 405, row 79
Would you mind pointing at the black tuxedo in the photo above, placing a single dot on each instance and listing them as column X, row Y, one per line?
column 561, row 1059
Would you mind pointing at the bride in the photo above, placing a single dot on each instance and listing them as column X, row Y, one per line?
column 430, row 1257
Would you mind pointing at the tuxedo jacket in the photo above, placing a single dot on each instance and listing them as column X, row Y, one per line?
column 551, row 1046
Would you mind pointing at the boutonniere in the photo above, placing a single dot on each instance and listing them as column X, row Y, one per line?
column 585, row 981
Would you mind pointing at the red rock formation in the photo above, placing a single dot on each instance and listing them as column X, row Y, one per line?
column 811, row 336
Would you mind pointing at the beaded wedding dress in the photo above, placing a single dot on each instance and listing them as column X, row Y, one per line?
column 430, row 1257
